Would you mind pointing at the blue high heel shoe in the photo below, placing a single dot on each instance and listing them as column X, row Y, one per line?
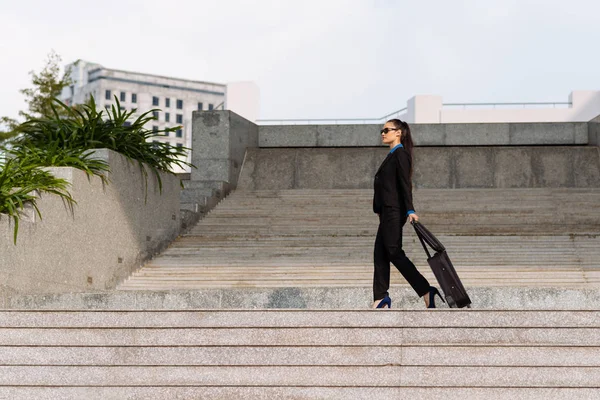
column 386, row 301
column 432, row 292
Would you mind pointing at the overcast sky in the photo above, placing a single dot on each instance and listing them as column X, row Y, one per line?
column 319, row 59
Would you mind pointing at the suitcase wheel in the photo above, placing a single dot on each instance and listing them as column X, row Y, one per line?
column 451, row 302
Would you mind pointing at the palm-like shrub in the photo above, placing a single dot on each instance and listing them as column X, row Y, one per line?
column 86, row 129
column 67, row 139
column 21, row 184
column 57, row 156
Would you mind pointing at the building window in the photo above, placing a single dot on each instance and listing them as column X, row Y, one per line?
column 167, row 117
column 155, row 129
column 179, row 144
column 179, row 119
column 155, row 115
column 167, row 102
column 107, row 95
column 210, row 107
column 154, row 100
column 133, row 98
column 126, row 123
column 179, row 104
column 166, row 133
column 179, row 133
column 156, row 141
column 199, row 106
column 123, row 96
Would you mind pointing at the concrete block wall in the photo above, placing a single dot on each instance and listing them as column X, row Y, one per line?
column 220, row 140
column 435, row 167
column 113, row 229
column 473, row 134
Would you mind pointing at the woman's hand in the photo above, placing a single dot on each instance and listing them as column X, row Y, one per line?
column 413, row 218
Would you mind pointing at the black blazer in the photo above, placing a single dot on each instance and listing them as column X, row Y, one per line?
column 393, row 191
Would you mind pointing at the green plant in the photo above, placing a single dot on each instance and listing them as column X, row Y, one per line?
column 87, row 128
column 20, row 184
column 56, row 156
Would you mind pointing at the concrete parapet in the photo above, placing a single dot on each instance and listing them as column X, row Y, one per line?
column 219, row 143
column 471, row 134
column 113, row 229
column 435, row 167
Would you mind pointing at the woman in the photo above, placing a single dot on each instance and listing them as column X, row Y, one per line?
column 392, row 202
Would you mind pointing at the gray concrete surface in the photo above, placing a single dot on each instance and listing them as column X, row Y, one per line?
column 289, row 356
column 111, row 232
column 299, row 353
column 505, row 134
column 219, row 143
column 279, row 392
column 345, row 298
column 594, row 131
column 435, row 167
column 328, row 376
column 244, row 318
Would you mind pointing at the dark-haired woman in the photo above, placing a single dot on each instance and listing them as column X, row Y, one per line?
column 392, row 202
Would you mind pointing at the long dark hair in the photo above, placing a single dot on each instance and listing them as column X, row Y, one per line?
column 406, row 140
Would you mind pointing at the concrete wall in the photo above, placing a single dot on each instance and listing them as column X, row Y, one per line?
column 594, row 131
column 567, row 133
column 584, row 106
column 109, row 235
column 220, row 140
column 435, row 167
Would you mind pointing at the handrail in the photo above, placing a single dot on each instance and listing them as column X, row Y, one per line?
column 328, row 120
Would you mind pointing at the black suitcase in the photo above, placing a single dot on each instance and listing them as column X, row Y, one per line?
column 442, row 268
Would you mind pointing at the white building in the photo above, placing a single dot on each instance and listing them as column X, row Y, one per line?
column 177, row 98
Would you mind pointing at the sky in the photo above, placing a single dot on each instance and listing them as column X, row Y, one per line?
column 318, row 59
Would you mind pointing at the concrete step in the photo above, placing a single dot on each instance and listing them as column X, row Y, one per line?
column 503, row 296
column 535, row 261
column 268, row 393
column 474, row 355
column 324, row 238
column 303, row 353
column 210, row 318
column 380, row 376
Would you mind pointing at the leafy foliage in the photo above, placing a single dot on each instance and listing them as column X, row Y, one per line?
column 56, row 136
column 21, row 184
column 56, row 156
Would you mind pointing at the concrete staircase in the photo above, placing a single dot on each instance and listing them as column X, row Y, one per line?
column 543, row 238
column 299, row 354
column 198, row 198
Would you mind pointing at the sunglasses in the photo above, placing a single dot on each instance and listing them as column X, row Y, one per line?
column 386, row 130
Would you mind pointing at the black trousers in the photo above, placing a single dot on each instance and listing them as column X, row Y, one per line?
column 388, row 248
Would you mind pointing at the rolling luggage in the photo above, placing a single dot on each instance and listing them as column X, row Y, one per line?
column 442, row 268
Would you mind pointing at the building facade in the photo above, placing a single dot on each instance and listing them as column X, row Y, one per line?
column 176, row 98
